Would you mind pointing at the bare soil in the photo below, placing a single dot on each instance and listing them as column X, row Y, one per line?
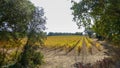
column 58, row 58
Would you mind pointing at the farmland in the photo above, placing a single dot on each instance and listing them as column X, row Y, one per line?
column 53, row 41
column 69, row 43
column 31, row 37
column 68, row 49
column 71, row 49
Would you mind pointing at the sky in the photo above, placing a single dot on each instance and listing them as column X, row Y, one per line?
column 59, row 16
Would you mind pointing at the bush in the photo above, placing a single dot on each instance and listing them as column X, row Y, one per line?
column 29, row 58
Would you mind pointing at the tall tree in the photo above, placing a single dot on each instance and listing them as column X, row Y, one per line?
column 14, row 17
column 19, row 19
column 31, row 57
column 104, row 13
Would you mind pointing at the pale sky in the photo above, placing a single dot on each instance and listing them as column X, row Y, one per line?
column 58, row 13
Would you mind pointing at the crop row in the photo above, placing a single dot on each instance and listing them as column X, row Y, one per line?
column 58, row 41
column 69, row 43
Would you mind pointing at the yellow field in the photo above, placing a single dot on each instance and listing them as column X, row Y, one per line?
column 66, row 42
column 53, row 41
column 12, row 43
column 69, row 42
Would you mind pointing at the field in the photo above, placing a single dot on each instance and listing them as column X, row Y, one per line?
column 64, row 51
column 70, row 43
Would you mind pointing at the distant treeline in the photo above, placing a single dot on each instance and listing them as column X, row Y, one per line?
column 60, row 33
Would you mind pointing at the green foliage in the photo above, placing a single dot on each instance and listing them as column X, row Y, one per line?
column 59, row 33
column 1, row 58
column 20, row 19
column 14, row 16
column 81, row 13
column 104, row 13
column 36, row 27
column 30, row 57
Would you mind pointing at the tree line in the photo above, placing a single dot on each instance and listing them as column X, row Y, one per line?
column 60, row 33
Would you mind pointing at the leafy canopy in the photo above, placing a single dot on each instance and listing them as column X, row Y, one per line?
column 14, row 17
column 102, row 15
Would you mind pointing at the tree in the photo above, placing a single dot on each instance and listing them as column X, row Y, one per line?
column 14, row 17
column 78, row 33
column 104, row 13
column 37, row 26
column 30, row 57
column 19, row 19
column 89, row 32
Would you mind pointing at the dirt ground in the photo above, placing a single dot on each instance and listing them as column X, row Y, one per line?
column 59, row 59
